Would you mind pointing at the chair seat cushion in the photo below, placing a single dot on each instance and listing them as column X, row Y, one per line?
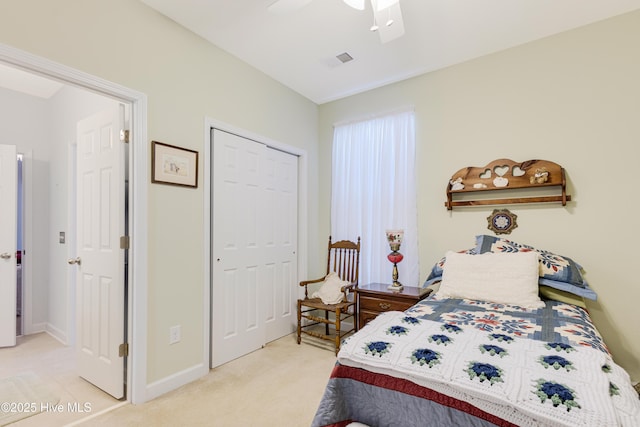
column 330, row 291
column 317, row 304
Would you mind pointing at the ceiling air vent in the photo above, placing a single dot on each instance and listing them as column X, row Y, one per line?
column 344, row 57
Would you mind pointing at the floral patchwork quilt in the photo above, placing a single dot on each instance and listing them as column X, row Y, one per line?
column 557, row 322
column 528, row 367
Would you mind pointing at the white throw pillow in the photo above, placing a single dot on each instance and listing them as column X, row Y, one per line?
column 505, row 278
column 331, row 290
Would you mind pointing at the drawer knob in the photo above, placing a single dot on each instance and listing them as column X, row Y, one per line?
column 385, row 305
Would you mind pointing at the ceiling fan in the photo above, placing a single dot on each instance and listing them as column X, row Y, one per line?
column 387, row 16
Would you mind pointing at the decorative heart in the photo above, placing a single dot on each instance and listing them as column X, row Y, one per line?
column 500, row 181
column 486, row 174
column 501, row 170
column 517, row 171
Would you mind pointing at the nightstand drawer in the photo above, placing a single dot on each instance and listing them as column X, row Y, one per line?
column 367, row 316
column 383, row 304
column 376, row 298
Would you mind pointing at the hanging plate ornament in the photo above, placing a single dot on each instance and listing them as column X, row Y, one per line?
column 501, row 221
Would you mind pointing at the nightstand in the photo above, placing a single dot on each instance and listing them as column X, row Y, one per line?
column 375, row 298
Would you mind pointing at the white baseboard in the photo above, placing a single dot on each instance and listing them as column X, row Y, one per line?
column 34, row 328
column 172, row 382
column 56, row 333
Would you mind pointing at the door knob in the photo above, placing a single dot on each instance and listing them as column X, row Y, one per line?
column 5, row 255
column 74, row 261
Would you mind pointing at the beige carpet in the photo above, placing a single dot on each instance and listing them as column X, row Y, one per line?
column 279, row 385
column 24, row 395
column 53, row 363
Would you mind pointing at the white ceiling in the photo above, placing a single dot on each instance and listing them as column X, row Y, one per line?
column 299, row 48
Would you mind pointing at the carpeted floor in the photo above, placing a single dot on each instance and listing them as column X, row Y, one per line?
column 278, row 385
column 41, row 366
column 24, row 395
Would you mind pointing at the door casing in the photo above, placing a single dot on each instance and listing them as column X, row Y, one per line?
column 137, row 391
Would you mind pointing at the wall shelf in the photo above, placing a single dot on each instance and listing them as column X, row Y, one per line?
column 505, row 174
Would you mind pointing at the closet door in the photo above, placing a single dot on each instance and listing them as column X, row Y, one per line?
column 238, row 247
column 254, row 245
column 281, row 216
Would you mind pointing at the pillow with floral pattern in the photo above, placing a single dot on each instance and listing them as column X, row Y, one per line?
column 556, row 271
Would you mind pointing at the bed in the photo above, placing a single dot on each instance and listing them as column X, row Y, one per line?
column 514, row 356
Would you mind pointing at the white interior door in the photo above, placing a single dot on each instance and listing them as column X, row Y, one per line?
column 281, row 227
column 238, row 247
column 8, row 243
column 254, row 245
column 100, row 261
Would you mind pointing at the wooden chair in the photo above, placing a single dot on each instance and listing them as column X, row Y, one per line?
column 343, row 258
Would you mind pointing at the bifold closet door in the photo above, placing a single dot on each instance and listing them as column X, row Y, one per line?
column 253, row 265
column 281, row 215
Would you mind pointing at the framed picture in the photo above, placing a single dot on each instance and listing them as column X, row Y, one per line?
column 173, row 165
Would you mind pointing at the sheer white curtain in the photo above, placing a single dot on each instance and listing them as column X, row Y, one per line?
column 373, row 189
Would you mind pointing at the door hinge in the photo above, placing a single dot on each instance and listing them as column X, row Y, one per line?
column 124, row 135
column 123, row 350
column 124, row 242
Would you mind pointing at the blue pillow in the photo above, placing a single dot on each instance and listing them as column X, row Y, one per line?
column 436, row 271
column 556, row 271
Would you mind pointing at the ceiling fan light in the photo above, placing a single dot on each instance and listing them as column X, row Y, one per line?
column 356, row 4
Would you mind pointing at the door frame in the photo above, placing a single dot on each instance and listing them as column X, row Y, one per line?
column 209, row 124
column 137, row 297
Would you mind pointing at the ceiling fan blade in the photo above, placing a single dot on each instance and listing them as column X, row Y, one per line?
column 286, row 6
column 356, row 4
column 383, row 4
column 390, row 23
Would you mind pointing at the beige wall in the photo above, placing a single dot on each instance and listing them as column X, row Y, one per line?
column 573, row 99
column 185, row 79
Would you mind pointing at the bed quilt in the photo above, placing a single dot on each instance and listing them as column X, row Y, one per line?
column 524, row 367
column 555, row 322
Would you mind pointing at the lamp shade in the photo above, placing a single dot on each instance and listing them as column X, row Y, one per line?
column 395, row 236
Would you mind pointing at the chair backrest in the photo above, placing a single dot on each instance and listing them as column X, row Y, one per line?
column 344, row 259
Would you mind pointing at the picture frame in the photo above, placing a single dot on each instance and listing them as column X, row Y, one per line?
column 173, row 165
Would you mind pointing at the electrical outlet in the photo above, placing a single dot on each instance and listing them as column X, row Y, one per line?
column 174, row 334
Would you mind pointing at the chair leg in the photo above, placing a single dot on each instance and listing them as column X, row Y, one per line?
column 299, row 320
column 326, row 325
column 338, row 318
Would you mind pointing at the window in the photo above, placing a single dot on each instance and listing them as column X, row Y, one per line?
column 373, row 189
